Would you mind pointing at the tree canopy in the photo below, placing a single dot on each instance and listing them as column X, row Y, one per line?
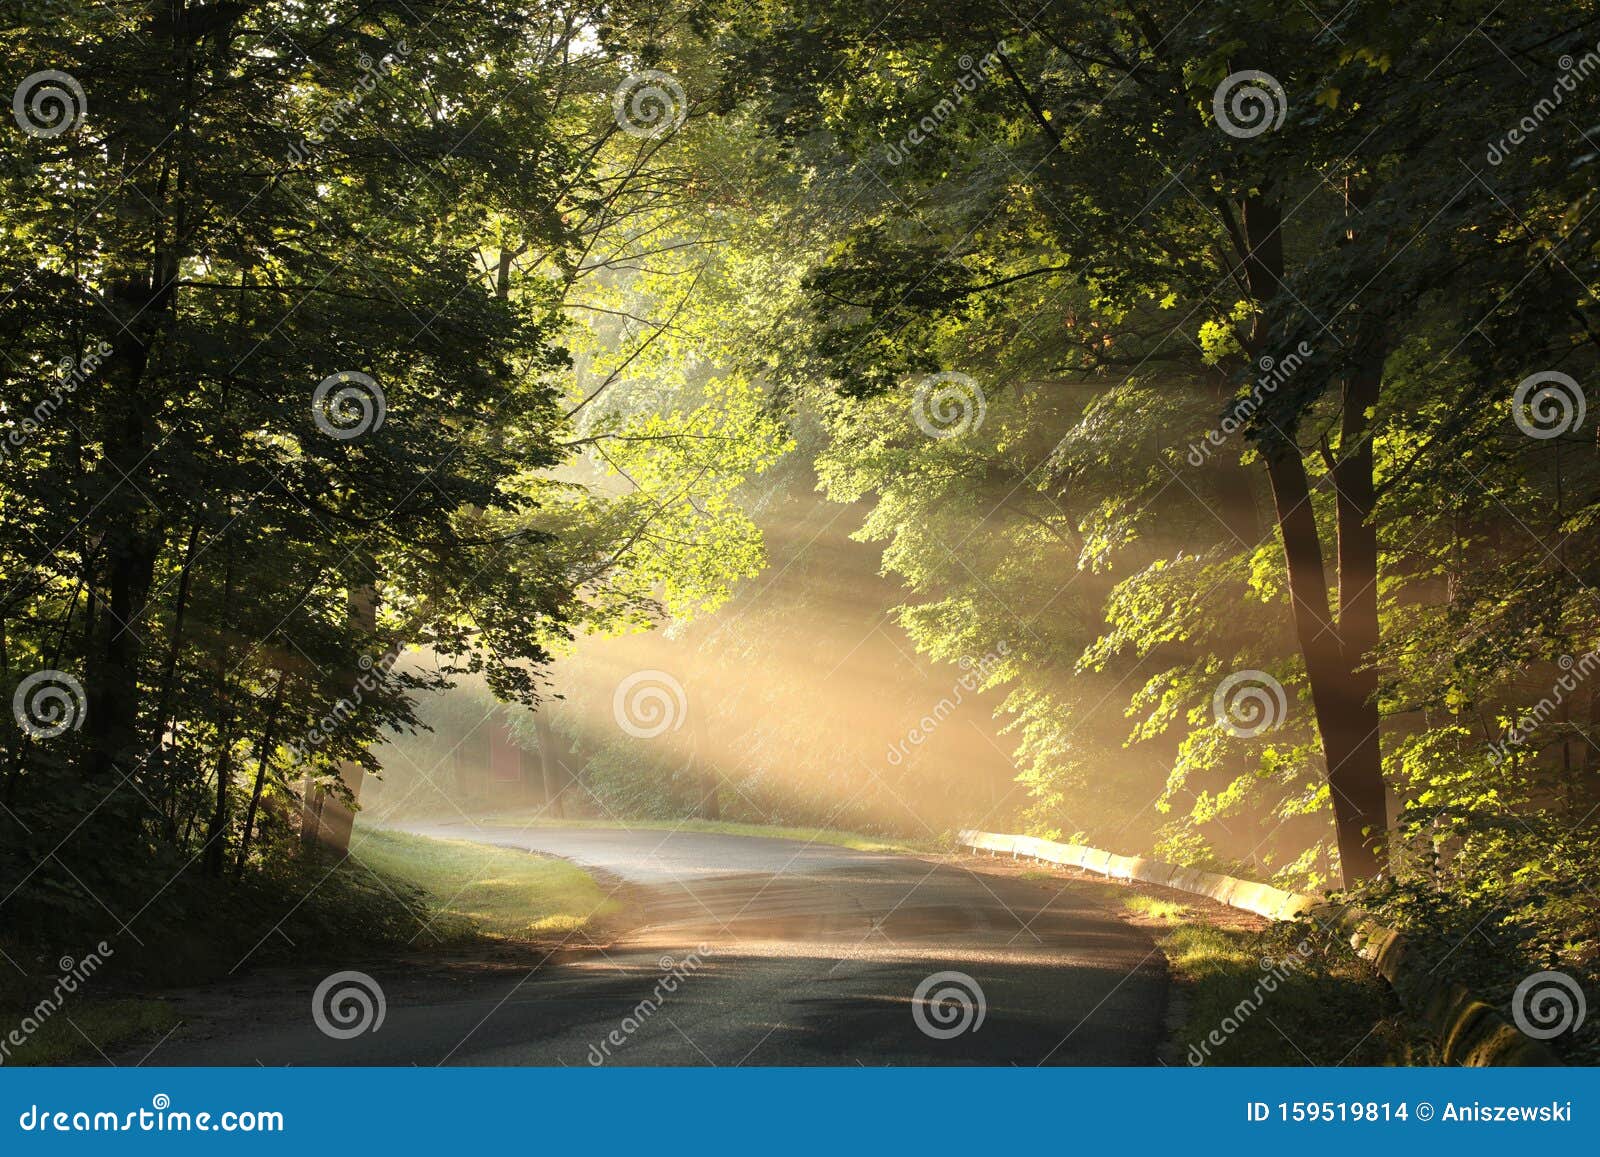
column 1217, row 375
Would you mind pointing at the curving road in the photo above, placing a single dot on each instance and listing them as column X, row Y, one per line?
column 751, row 951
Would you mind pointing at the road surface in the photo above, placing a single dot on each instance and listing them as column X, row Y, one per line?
column 750, row 951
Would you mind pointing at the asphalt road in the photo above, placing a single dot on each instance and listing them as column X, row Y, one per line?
column 750, row 951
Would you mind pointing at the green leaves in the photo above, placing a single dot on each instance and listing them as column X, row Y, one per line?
column 330, row 253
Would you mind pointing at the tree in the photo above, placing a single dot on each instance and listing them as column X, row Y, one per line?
column 288, row 337
column 1201, row 192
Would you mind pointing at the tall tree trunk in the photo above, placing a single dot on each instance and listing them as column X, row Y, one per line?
column 337, row 814
column 217, row 830
column 1346, row 719
column 169, row 679
column 144, row 302
column 264, row 748
column 1360, row 779
column 216, row 849
column 1343, row 689
column 327, row 818
column 310, row 814
column 1234, row 492
column 111, row 718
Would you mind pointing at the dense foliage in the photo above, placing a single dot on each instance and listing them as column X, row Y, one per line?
column 1255, row 343
column 292, row 384
column 1220, row 370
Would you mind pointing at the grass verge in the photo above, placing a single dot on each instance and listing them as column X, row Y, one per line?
column 1253, row 993
column 396, row 891
column 1267, row 998
column 82, row 1031
column 1279, row 995
column 857, row 840
column 475, row 889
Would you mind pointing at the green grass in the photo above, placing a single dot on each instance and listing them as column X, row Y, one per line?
column 1273, row 1000
column 856, row 840
column 1155, row 909
column 1267, row 1001
column 465, row 891
column 80, row 1031
column 484, row 890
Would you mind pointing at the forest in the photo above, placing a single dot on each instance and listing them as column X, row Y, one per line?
column 1187, row 400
